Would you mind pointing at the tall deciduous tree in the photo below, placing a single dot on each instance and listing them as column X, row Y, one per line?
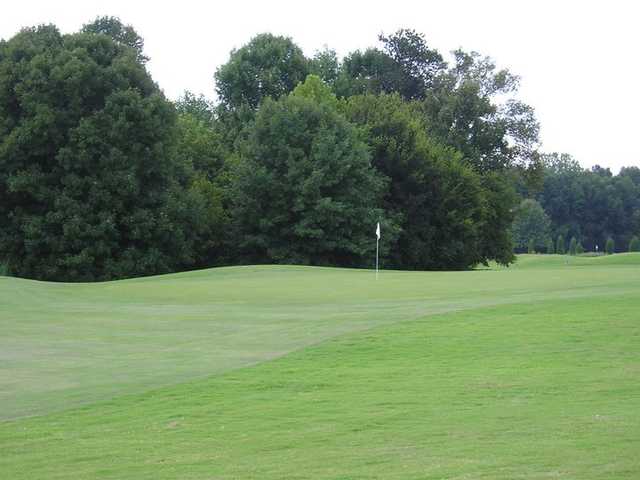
column 267, row 66
column 462, row 110
column 406, row 65
column 434, row 197
column 306, row 191
column 120, row 33
column 86, row 160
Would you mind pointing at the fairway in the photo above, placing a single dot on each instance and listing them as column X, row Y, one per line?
column 301, row 372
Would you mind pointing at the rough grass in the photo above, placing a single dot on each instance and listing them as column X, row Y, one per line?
column 532, row 374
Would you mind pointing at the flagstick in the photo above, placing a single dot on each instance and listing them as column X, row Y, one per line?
column 377, row 242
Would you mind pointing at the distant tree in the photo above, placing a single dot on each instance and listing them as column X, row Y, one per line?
column 579, row 248
column 120, row 33
column 550, row 247
column 634, row 244
column 610, row 246
column 531, row 224
column 573, row 244
column 632, row 172
column 590, row 204
column 306, row 192
column 267, row 66
column 531, row 248
column 560, row 245
column 325, row 64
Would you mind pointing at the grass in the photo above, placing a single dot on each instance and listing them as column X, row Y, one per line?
column 293, row 372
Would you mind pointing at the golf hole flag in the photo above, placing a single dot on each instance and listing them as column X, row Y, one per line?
column 377, row 242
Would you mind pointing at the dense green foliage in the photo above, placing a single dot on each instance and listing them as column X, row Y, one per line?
column 268, row 66
column 530, row 226
column 306, row 192
column 426, row 182
column 560, row 245
column 550, row 246
column 102, row 177
column 591, row 205
column 634, row 244
column 88, row 184
column 573, row 245
column 610, row 246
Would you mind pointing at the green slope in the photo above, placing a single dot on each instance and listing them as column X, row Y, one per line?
column 536, row 391
column 66, row 345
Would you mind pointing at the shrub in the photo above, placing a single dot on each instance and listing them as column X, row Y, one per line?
column 560, row 245
column 531, row 246
column 572, row 246
column 634, row 244
column 579, row 248
column 610, row 246
column 550, row 248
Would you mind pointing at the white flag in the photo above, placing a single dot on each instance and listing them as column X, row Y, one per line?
column 378, row 231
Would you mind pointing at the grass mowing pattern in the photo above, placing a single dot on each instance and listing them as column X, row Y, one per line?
column 533, row 376
column 521, row 391
column 65, row 345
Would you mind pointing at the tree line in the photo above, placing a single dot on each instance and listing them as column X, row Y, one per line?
column 578, row 209
column 102, row 177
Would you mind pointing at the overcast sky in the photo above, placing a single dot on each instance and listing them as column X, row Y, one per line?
column 578, row 61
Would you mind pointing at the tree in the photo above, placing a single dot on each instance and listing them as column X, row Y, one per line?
column 87, row 173
column 500, row 200
column 418, row 63
column 268, row 66
column 316, row 90
column 306, row 192
column 590, row 204
column 579, row 249
column 199, row 107
column 531, row 224
column 435, row 198
column 120, row 33
column 406, row 65
column 325, row 64
column 206, row 173
column 560, row 245
column 471, row 107
column 634, row 244
column 531, row 247
column 610, row 246
column 573, row 244
column 550, row 247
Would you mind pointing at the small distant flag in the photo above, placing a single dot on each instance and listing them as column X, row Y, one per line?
column 377, row 242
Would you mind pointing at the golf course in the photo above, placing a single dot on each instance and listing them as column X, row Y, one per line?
column 274, row 372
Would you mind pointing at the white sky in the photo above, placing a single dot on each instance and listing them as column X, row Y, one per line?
column 578, row 59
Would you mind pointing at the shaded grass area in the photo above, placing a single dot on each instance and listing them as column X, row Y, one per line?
column 546, row 390
column 65, row 345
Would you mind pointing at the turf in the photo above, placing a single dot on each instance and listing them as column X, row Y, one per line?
column 531, row 374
